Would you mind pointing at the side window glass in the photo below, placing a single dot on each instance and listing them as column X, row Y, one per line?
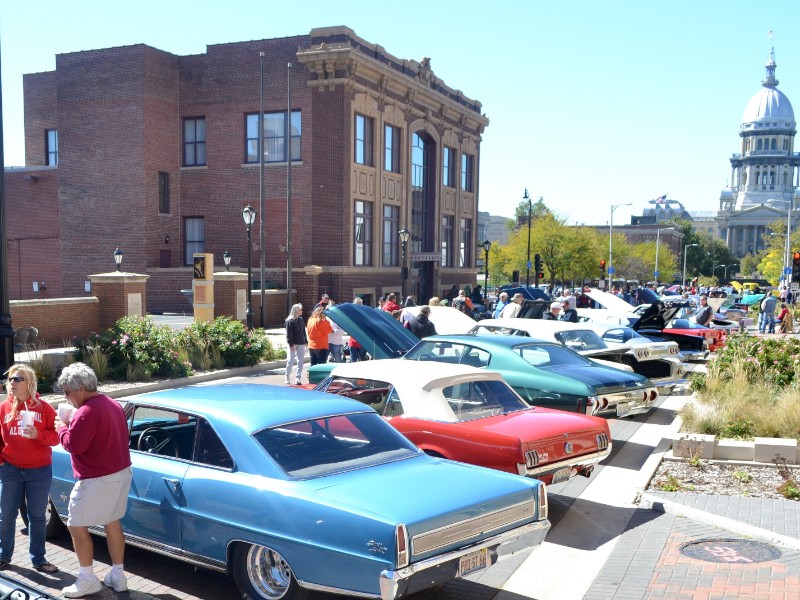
column 162, row 432
column 393, row 406
column 209, row 449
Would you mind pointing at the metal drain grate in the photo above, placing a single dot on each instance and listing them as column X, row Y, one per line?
column 730, row 551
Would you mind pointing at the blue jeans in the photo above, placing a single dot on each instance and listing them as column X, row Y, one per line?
column 318, row 357
column 34, row 485
column 356, row 354
column 336, row 352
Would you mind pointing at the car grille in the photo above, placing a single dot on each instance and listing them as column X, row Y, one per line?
column 464, row 531
column 602, row 441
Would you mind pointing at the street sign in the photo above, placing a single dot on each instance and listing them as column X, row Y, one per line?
column 787, row 270
column 529, row 265
column 656, row 274
column 611, row 270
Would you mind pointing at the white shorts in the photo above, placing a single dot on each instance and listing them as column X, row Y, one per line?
column 99, row 500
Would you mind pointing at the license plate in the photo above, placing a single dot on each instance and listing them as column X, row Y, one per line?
column 623, row 409
column 561, row 475
column 473, row 562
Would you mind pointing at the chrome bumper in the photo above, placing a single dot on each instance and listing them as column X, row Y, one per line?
column 585, row 460
column 625, row 406
column 440, row 569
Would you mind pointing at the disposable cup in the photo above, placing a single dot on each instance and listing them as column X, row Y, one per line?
column 65, row 412
column 27, row 417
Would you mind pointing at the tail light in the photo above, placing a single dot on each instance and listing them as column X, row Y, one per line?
column 401, row 543
column 592, row 405
column 602, row 441
column 653, row 394
column 542, row 501
column 532, row 458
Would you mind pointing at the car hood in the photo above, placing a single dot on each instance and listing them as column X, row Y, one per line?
column 658, row 314
column 538, row 424
column 376, row 330
column 601, row 378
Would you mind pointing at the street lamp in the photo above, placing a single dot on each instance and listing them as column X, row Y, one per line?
column 249, row 216
column 658, row 239
column 610, row 269
column 227, row 260
column 530, row 208
column 486, row 245
column 726, row 269
column 404, row 235
column 686, row 247
column 714, row 270
column 118, row 258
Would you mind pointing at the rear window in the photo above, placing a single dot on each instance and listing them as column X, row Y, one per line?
column 478, row 399
column 332, row 444
column 580, row 340
column 550, row 355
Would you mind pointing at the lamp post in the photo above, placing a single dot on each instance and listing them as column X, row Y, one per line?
column 658, row 239
column 610, row 270
column 714, row 270
column 261, row 247
column 118, row 258
column 226, row 258
column 404, row 235
column 486, row 245
column 725, row 276
column 685, row 248
column 249, row 217
column 788, row 259
column 530, row 208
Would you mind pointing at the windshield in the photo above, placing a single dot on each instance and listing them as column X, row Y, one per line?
column 550, row 355
column 580, row 340
column 322, row 446
column 478, row 399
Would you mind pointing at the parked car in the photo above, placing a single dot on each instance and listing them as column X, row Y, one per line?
column 290, row 490
column 385, row 338
column 611, row 345
column 528, row 364
column 473, row 416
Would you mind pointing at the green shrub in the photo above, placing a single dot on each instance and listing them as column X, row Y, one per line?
column 740, row 429
column 697, row 382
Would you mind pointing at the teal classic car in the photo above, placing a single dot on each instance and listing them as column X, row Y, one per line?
column 289, row 490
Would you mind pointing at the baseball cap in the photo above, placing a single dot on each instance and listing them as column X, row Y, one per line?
column 555, row 305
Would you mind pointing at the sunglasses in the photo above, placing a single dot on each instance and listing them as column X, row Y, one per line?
column 17, row 378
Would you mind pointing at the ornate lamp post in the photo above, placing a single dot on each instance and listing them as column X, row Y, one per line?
column 486, row 245
column 118, row 258
column 227, row 259
column 249, row 216
column 404, row 235
column 658, row 239
column 685, row 248
column 610, row 270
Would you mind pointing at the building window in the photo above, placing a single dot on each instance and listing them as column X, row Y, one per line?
column 194, row 142
column 391, row 228
column 759, row 144
column 51, row 146
column 466, row 172
column 362, row 226
column 465, row 249
column 391, row 148
column 194, row 232
column 274, row 136
column 449, row 167
column 447, row 241
column 363, row 141
column 163, row 192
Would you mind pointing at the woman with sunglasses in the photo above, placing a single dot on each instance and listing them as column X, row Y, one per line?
column 26, row 464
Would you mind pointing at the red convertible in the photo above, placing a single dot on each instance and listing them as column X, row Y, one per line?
column 471, row 415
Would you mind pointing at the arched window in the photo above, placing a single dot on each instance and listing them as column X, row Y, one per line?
column 759, row 146
column 772, row 179
column 774, row 144
column 758, row 177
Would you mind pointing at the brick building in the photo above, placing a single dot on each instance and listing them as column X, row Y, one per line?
column 157, row 154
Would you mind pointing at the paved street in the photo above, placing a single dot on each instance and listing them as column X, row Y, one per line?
column 602, row 545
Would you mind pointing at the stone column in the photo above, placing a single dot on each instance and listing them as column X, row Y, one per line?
column 230, row 295
column 120, row 295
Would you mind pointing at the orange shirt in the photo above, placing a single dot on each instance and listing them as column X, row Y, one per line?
column 318, row 330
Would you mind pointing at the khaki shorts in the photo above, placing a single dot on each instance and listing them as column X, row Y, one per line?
column 99, row 500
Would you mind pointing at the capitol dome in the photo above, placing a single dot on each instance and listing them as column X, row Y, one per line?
column 769, row 105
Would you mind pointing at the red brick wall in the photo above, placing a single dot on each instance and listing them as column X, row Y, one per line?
column 40, row 101
column 58, row 320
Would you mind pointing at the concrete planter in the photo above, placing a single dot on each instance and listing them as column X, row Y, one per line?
column 760, row 450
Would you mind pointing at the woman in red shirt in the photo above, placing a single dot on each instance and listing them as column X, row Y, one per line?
column 27, row 432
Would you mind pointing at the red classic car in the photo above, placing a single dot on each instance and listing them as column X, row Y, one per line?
column 471, row 415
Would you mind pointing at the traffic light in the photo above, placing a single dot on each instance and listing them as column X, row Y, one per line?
column 537, row 266
column 796, row 266
column 602, row 266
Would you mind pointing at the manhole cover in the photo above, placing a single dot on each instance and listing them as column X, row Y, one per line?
column 730, row 551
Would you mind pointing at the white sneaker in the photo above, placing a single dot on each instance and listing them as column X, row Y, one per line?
column 117, row 580
column 83, row 586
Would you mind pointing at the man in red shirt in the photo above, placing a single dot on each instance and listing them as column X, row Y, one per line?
column 96, row 436
column 391, row 304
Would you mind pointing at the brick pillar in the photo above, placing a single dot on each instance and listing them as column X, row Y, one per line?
column 120, row 295
column 230, row 295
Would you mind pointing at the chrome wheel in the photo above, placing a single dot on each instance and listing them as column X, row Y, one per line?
column 268, row 573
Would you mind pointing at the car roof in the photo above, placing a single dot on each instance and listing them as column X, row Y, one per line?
column 494, row 341
column 531, row 325
column 426, row 374
column 251, row 406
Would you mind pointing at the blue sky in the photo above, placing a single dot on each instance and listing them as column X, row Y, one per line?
column 591, row 103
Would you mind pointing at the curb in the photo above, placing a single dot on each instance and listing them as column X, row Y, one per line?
column 757, row 533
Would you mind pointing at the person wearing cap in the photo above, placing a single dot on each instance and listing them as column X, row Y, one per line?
column 511, row 309
column 323, row 301
column 381, row 303
column 568, row 312
column 552, row 315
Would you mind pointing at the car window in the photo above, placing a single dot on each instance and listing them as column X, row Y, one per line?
column 394, row 408
column 579, row 340
column 371, row 392
column 209, row 449
column 450, row 352
column 497, row 330
column 614, row 335
column 550, row 355
column 326, row 445
column 163, row 432
column 478, row 399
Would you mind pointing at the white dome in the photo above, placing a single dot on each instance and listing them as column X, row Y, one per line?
column 769, row 105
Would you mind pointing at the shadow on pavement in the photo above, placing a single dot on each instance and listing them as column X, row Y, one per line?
column 634, row 455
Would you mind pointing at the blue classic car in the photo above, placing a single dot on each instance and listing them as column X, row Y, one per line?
column 290, row 490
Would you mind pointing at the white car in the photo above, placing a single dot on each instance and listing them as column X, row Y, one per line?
column 610, row 344
column 446, row 319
